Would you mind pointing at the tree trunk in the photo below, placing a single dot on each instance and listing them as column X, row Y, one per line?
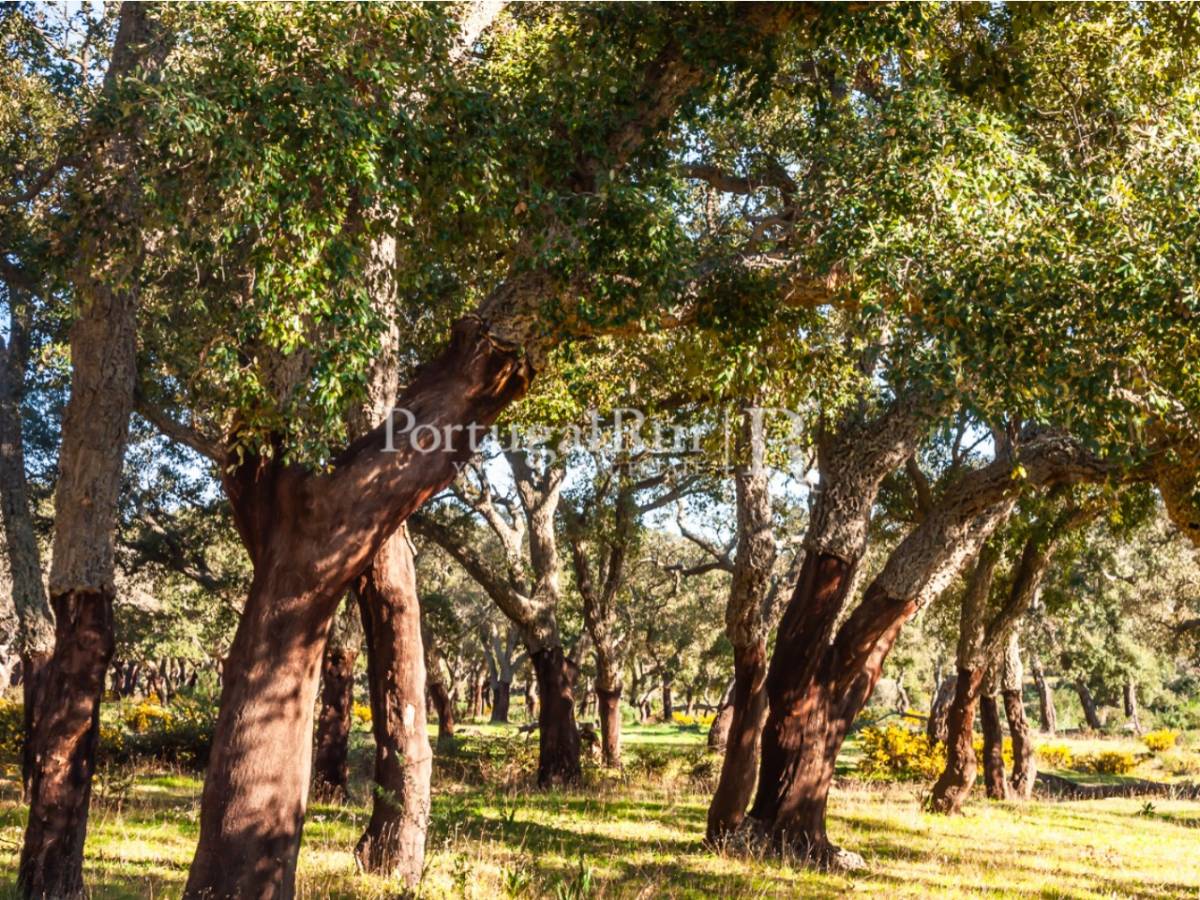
column 394, row 841
column 477, row 682
column 1090, row 715
column 64, row 752
column 501, row 693
column 1011, row 686
column 331, row 768
column 1046, row 711
column 609, row 704
column 35, row 618
column 95, row 430
column 1131, row 705
column 558, row 750
column 938, row 728
column 739, row 768
column 1024, row 772
column 443, row 705
column 668, row 707
column 718, row 732
column 995, row 779
column 958, row 777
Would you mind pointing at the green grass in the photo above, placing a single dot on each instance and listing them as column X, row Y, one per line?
column 639, row 835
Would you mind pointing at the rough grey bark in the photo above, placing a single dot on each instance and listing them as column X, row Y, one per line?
column 1048, row 715
column 1129, row 697
column 937, row 728
column 95, row 428
column 35, row 618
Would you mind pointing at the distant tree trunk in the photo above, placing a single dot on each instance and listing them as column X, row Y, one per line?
column 1024, row 771
column 995, row 778
column 718, row 732
column 394, row 840
column 477, row 682
column 958, row 777
column 95, row 431
column 1090, row 715
column 531, row 700
column 689, row 701
column 558, row 750
column 668, row 706
column 501, row 692
column 1047, row 713
column 35, row 618
column 1131, row 705
column 443, row 706
column 609, row 703
column 937, row 727
column 331, row 768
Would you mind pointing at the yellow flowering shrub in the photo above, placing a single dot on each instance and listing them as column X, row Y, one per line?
column 362, row 714
column 896, row 752
column 12, row 728
column 700, row 720
column 1160, row 740
column 1006, row 751
column 1055, row 756
column 1106, row 762
column 145, row 716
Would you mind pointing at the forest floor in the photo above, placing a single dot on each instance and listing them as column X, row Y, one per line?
column 639, row 835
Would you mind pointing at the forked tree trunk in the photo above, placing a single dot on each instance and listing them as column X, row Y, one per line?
column 1090, row 715
column 1048, row 715
column 609, row 706
column 252, row 809
column 995, row 779
column 394, row 840
column 331, row 767
column 958, row 777
column 559, row 746
column 501, row 695
column 739, row 768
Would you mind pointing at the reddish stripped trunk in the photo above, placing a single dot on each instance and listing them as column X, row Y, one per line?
column 609, row 705
column 809, row 713
column 994, row 778
column 331, row 769
column 739, row 768
column 65, row 736
column 34, row 667
column 394, row 840
column 558, row 751
column 958, row 777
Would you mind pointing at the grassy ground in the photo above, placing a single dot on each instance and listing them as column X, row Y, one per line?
column 639, row 836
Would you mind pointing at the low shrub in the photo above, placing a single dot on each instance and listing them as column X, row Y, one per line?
column 12, row 728
column 1160, row 740
column 702, row 720
column 1055, row 756
column 361, row 713
column 180, row 733
column 1106, row 762
column 1180, row 763
column 898, row 753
